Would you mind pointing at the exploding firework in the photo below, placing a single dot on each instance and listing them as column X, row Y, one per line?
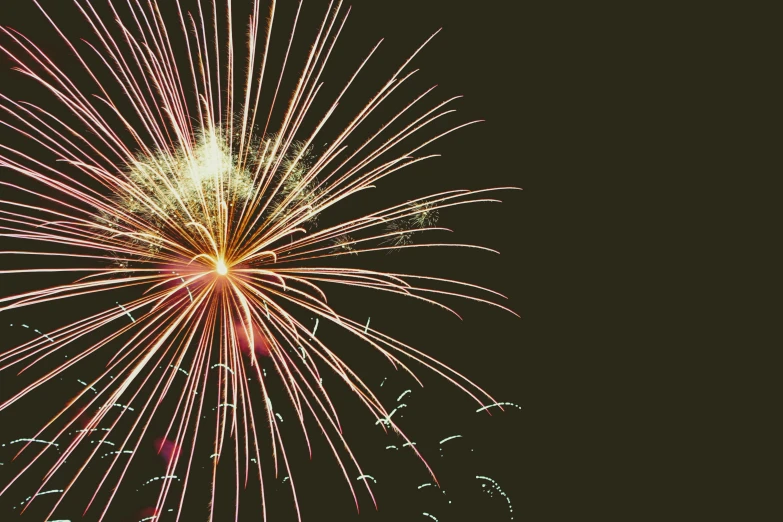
column 172, row 180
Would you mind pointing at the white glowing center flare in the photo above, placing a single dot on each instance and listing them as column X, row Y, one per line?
column 221, row 268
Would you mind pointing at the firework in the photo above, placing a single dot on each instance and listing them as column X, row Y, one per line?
column 173, row 180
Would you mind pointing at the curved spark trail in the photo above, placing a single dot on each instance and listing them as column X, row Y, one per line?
column 499, row 405
column 496, row 487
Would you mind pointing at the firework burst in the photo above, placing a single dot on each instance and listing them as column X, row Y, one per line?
column 211, row 212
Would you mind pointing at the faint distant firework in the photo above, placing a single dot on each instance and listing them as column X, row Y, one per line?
column 169, row 182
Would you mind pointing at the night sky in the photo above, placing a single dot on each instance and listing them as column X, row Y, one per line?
column 479, row 54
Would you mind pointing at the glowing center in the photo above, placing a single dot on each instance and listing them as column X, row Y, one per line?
column 221, row 267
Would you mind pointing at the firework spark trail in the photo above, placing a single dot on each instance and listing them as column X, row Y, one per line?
column 496, row 487
column 197, row 202
column 102, row 412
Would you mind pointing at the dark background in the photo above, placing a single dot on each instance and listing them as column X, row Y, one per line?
column 626, row 126
column 502, row 59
